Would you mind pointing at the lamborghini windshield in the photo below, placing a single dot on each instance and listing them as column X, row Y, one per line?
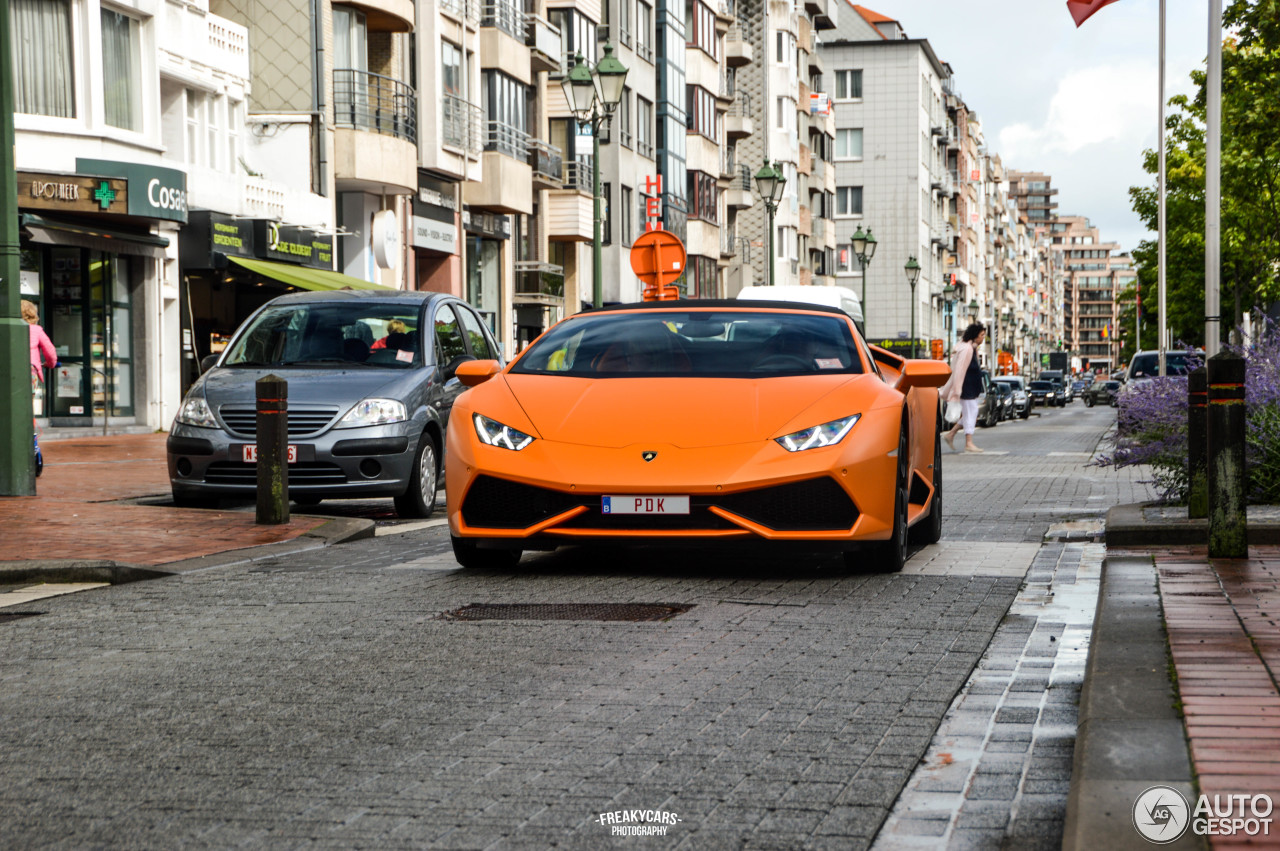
column 723, row 344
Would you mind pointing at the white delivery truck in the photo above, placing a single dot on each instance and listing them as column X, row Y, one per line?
column 841, row 297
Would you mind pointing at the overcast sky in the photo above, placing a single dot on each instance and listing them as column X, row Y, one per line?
column 1078, row 104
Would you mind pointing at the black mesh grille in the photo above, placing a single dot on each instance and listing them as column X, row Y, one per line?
column 303, row 473
column 817, row 504
column 500, row 504
column 812, row 505
column 302, row 421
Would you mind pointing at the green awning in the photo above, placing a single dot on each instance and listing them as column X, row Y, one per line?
column 303, row 277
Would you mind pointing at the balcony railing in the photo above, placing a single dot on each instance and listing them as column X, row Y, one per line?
column 542, row 35
column 505, row 15
column 742, row 178
column 545, row 160
column 577, row 174
column 368, row 101
column 502, row 137
column 741, row 107
column 461, row 124
column 533, row 277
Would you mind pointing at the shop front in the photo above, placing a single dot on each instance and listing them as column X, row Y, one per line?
column 92, row 265
column 436, row 250
column 487, row 234
column 232, row 266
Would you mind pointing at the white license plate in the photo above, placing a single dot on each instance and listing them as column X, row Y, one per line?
column 250, row 452
column 644, row 505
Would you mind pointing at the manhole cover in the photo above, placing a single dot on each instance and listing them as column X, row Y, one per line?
column 13, row 616
column 565, row 612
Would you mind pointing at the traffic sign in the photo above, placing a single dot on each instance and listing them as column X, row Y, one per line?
column 658, row 258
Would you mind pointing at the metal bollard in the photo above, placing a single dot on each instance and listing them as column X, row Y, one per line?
column 1197, row 422
column 273, row 449
column 1227, row 475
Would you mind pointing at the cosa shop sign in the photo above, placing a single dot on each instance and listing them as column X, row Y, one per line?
column 166, row 197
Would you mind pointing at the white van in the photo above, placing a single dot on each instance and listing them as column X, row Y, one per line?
column 841, row 297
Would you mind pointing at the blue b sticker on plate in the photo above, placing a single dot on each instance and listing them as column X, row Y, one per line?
column 605, row 507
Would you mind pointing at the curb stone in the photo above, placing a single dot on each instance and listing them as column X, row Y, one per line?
column 1129, row 736
column 1128, row 526
column 335, row 530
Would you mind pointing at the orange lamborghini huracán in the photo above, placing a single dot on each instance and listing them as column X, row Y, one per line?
column 697, row 423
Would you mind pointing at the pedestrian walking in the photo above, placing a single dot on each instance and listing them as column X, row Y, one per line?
column 43, row 354
column 965, row 385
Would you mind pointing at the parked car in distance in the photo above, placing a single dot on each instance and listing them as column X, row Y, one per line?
column 371, row 381
column 1079, row 386
column 1102, row 393
column 1146, row 364
column 1043, row 393
column 989, row 414
column 1021, row 399
column 1006, row 399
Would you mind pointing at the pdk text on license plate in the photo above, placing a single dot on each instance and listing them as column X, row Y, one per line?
column 644, row 504
column 250, row 453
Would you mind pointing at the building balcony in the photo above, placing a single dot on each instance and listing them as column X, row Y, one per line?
column 738, row 51
column 538, row 283
column 737, row 121
column 816, row 65
column 507, row 186
column 726, row 15
column 462, row 124
column 824, row 16
column 570, row 211
column 543, row 41
column 505, row 16
column 393, row 16
column 739, row 195
column 547, row 164
column 804, row 226
column 376, row 127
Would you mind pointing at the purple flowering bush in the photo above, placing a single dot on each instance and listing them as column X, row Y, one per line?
column 1151, row 424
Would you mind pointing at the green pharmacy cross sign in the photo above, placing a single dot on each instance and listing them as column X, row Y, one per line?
column 104, row 195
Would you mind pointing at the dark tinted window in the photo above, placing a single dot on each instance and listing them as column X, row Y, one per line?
column 733, row 344
column 306, row 334
column 448, row 335
column 476, row 336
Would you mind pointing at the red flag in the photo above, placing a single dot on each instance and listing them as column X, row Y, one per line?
column 1081, row 10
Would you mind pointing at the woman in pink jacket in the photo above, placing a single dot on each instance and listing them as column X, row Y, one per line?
column 965, row 385
column 43, row 354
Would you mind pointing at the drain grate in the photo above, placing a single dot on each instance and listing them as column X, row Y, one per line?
column 13, row 616
column 566, row 612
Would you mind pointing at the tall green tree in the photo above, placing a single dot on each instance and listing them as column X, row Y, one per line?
column 1250, row 245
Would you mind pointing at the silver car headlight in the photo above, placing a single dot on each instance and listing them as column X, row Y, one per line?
column 494, row 433
column 195, row 412
column 818, row 436
column 370, row 412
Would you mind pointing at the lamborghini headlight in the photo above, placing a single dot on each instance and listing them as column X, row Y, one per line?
column 819, row 435
column 495, row 433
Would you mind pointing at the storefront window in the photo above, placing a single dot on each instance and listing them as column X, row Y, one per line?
column 483, row 280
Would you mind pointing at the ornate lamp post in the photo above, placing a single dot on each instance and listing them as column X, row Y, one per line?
column 864, row 245
column 592, row 98
column 913, row 274
column 769, row 184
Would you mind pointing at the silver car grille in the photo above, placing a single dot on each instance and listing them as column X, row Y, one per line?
column 303, row 421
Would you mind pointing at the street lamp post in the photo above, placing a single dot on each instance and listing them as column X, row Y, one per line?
column 769, row 183
column 913, row 274
column 864, row 246
column 593, row 97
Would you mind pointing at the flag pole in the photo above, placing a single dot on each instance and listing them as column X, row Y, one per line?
column 1162, row 320
column 1213, row 185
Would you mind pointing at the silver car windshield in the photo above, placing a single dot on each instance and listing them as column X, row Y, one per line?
column 341, row 334
column 729, row 344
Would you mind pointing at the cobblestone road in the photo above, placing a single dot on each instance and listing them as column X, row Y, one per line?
column 321, row 702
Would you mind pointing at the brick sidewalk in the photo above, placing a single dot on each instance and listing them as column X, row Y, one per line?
column 1222, row 618
column 76, row 513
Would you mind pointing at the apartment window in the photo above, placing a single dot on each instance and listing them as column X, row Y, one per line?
column 644, row 127
column 195, row 106
column 644, row 31
column 234, row 129
column 624, row 22
column 849, row 144
column 213, row 108
column 784, row 47
column 785, row 117
column 43, row 69
column 606, row 195
column 701, row 277
column 848, row 200
column 577, row 35
column 121, row 70
column 625, row 207
column 701, row 116
column 505, row 105
column 451, row 68
column 624, row 118
column 700, row 25
column 846, row 260
column 704, row 197
column 849, row 84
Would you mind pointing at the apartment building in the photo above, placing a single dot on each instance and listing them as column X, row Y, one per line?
column 894, row 143
column 1094, row 272
column 152, row 157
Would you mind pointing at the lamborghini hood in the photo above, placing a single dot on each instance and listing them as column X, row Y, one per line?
column 684, row 412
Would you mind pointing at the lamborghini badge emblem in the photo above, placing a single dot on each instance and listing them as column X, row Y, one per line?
column 648, row 455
